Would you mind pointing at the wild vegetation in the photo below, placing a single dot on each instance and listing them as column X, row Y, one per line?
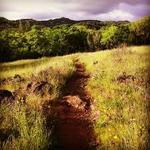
column 33, row 83
column 31, row 40
column 90, row 99
column 118, row 86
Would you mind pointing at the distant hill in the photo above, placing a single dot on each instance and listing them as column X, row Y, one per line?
column 5, row 23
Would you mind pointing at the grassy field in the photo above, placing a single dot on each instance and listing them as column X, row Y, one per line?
column 118, row 84
column 119, row 88
column 26, row 118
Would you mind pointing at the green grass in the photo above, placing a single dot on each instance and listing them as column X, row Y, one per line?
column 54, row 70
column 24, row 127
column 28, row 119
column 123, row 105
column 26, row 68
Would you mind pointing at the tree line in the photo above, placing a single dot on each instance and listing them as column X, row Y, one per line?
column 36, row 41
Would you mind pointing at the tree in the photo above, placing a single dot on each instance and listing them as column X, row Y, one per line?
column 93, row 39
column 139, row 31
column 113, row 35
column 37, row 42
column 21, row 26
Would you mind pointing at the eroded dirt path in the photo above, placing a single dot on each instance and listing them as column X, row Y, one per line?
column 74, row 122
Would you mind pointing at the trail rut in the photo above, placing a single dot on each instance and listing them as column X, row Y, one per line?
column 74, row 121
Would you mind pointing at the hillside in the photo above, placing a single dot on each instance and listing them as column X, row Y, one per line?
column 5, row 23
column 28, row 39
column 55, row 102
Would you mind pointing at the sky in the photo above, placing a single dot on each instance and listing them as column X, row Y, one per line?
column 75, row 9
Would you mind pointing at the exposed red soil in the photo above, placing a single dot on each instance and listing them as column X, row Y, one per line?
column 74, row 121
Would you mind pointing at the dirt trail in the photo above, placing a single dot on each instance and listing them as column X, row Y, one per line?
column 73, row 127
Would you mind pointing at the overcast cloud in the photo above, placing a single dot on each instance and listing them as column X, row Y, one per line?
column 75, row 9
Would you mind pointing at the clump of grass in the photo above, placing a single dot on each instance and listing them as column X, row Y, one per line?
column 26, row 128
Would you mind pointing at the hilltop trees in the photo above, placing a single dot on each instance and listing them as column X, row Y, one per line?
column 5, row 51
column 37, row 41
column 65, row 40
column 93, row 39
column 113, row 36
column 139, row 31
column 9, row 44
column 75, row 40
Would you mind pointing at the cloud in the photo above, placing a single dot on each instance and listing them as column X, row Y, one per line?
column 116, row 15
column 75, row 9
column 138, row 10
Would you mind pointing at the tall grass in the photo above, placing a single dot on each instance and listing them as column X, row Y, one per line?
column 26, row 68
column 23, row 128
column 23, row 124
column 123, row 105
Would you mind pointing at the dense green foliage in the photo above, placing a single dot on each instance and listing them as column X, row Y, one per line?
column 60, row 40
column 140, row 33
column 114, row 35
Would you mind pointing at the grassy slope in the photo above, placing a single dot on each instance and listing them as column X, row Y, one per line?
column 28, row 118
column 26, row 68
column 122, row 104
